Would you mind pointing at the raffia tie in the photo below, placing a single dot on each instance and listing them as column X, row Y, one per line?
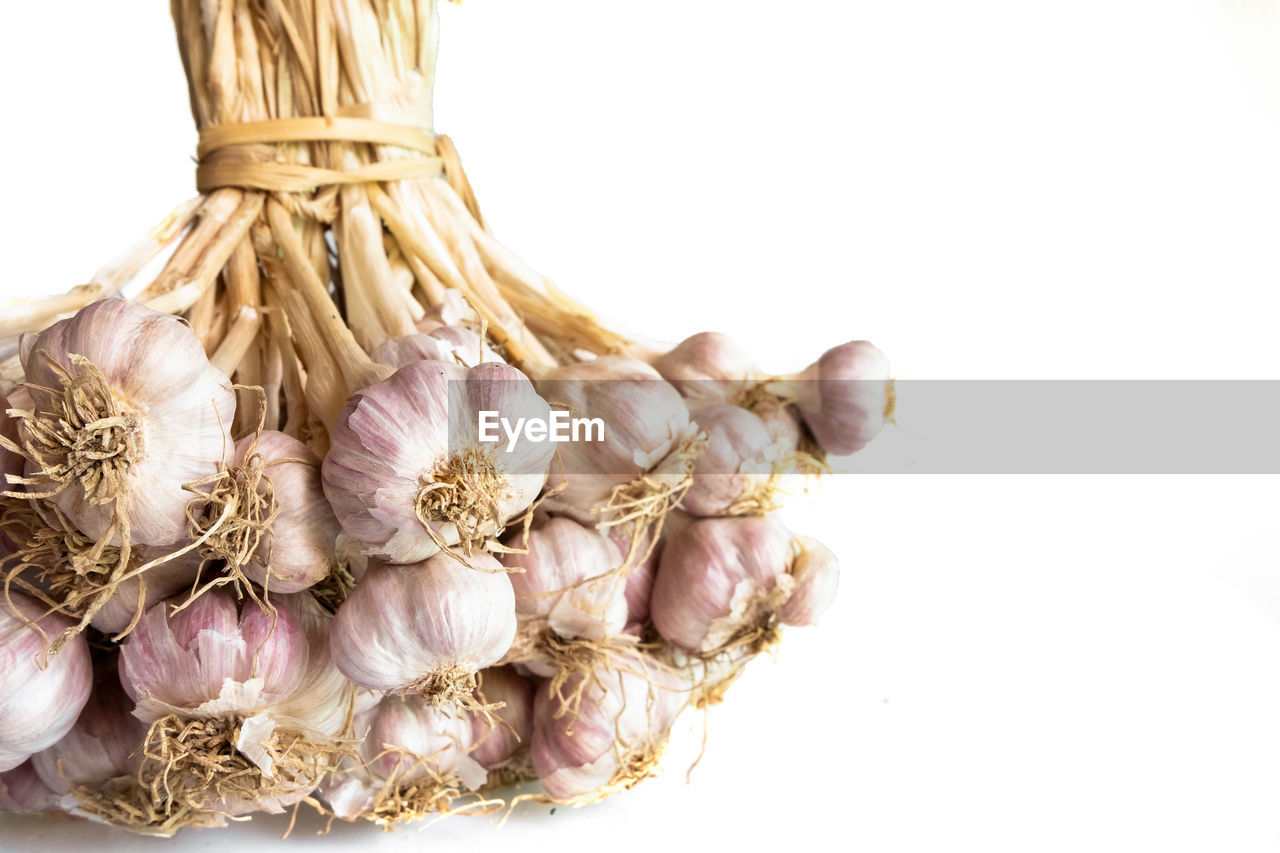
column 241, row 155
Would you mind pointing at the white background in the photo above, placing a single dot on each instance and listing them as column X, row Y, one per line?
column 986, row 190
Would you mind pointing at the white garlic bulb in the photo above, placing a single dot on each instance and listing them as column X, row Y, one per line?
column 413, row 759
column 453, row 344
column 645, row 422
column 720, row 581
column 41, row 694
column 736, row 464
column 560, row 559
column 298, row 548
column 707, row 367
column 406, row 473
column 845, row 396
column 426, row 627
column 617, row 737
column 500, row 737
column 126, row 409
column 22, row 792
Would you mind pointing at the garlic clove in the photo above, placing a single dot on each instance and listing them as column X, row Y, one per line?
column 495, row 745
column 453, row 344
column 735, row 463
column 23, row 792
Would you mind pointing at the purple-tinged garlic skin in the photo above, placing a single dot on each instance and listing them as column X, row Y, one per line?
column 817, row 574
column 561, row 557
column 495, row 745
column 736, row 456
column 403, row 623
column 627, row 711
column 22, row 792
column 644, row 419
column 103, row 744
column 40, row 695
column 301, row 543
column 640, row 575
column 408, row 741
column 163, row 580
column 394, row 436
column 453, row 344
column 844, row 397
column 215, row 656
column 717, row 576
column 706, row 367
column 178, row 406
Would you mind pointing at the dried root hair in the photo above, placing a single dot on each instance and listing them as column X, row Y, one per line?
column 402, row 800
column 466, row 491
column 125, row 804
column 194, row 764
column 452, row 688
column 332, row 590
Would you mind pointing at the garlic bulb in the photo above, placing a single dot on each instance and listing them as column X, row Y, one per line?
column 102, row 745
column 126, row 409
column 706, row 367
column 40, row 695
column 244, row 705
column 425, row 628
column 413, row 760
column 732, row 476
column 215, row 656
column 500, row 742
column 645, row 422
column 276, row 479
column 817, row 575
column 406, row 473
column 720, row 583
column 22, row 792
column 845, row 396
column 453, row 344
column 556, row 589
column 615, row 740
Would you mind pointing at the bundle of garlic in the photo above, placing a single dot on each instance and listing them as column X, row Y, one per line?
column 372, row 516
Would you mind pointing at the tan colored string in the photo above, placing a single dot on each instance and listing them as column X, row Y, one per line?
column 224, row 162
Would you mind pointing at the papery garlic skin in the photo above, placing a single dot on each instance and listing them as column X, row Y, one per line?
column 103, row 744
column 22, row 792
column 38, row 706
column 162, row 581
column 212, row 658
column 177, row 411
column 453, row 344
column 706, row 367
column 615, row 740
column 555, row 588
column 403, row 628
column 640, row 574
column 817, row 574
column 11, row 464
column 845, row 396
column 395, row 439
column 739, row 456
column 409, row 743
column 298, row 550
column 718, row 577
column 496, row 745
column 645, row 422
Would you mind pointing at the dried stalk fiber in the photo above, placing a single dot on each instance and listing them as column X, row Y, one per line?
column 330, row 218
